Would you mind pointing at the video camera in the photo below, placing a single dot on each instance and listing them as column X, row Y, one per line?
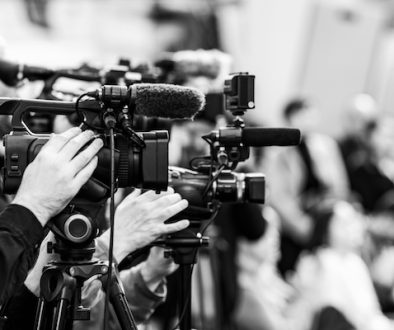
column 212, row 179
column 141, row 159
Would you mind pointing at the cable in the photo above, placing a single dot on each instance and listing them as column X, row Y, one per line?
column 112, row 221
column 213, row 179
column 81, row 115
column 211, row 219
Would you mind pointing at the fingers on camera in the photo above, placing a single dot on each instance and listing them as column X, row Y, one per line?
column 167, row 200
column 86, row 172
column 174, row 209
column 174, row 227
column 151, row 196
column 84, row 157
column 148, row 196
column 74, row 145
column 135, row 193
column 57, row 141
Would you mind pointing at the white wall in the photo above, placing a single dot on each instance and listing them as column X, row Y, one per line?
column 90, row 30
column 340, row 56
column 322, row 49
column 267, row 38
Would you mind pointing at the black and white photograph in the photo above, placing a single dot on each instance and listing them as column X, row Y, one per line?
column 197, row 164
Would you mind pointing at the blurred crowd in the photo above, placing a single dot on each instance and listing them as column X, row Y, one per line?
column 319, row 254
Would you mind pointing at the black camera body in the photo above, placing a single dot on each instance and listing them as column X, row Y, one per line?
column 138, row 167
column 239, row 93
column 212, row 179
column 227, row 187
column 145, row 167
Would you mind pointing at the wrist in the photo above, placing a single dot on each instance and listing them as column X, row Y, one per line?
column 151, row 278
column 119, row 251
column 32, row 283
column 40, row 213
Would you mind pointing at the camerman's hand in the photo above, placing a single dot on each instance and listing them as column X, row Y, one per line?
column 156, row 267
column 58, row 173
column 139, row 220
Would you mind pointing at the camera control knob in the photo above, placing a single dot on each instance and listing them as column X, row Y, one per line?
column 78, row 228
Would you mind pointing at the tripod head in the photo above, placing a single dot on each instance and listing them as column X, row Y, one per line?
column 75, row 229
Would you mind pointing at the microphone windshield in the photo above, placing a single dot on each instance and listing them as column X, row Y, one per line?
column 167, row 101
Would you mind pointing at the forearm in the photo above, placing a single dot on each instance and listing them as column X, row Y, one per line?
column 102, row 247
column 142, row 300
column 294, row 221
column 144, row 290
column 20, row 235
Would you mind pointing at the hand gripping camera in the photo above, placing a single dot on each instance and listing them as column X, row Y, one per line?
column 141, row 159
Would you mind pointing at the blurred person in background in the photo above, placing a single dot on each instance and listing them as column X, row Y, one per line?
column 380, row 257
column 366, row 149
column 382, row 142
column 301, row 178
column 333, row 287
column 264, row 295
column 360, row 150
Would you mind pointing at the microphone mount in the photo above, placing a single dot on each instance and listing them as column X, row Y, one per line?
column 231, row 145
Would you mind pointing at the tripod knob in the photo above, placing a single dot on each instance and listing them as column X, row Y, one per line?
column 78, row 228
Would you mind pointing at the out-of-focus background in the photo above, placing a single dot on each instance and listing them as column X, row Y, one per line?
column 319, row 254
column 328, row 50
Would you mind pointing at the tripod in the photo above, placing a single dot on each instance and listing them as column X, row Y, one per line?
column 184, row 247
column 60, row 301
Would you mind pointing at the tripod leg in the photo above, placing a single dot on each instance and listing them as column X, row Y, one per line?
column 65, row 300
column 119, row 302
column 185, row 292
column 40, row 314
column 59, row 321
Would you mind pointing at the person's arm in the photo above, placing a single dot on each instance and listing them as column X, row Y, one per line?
column 143, row 297
column 285, row 176
column 145, row 284
column 48, row 185
column 140, row 219
column 20, row 235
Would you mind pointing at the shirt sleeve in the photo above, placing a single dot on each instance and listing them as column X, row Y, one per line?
column 141, row 299
column 20, row 236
